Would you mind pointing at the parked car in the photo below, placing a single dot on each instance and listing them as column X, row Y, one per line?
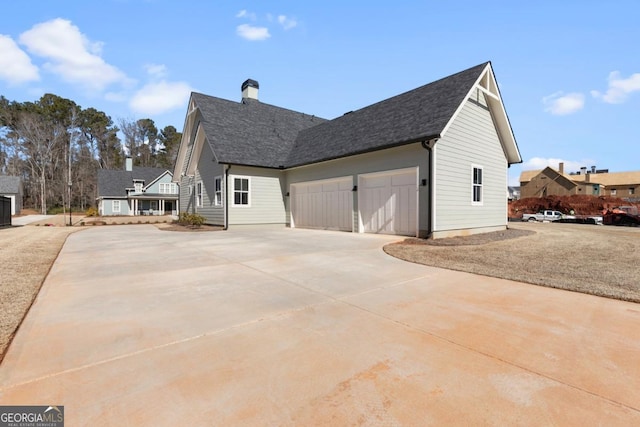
column 546, row 215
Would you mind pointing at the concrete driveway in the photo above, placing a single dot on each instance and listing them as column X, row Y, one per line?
column 272, row 326
column 28, row 219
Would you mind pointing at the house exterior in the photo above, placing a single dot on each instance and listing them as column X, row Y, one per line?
column 137, row 191
column 11, row 187
column 591, row 182
column 429, row 162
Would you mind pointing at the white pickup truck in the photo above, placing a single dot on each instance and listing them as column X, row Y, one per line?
column 543, row 216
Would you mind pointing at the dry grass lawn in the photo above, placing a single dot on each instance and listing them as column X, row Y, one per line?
column 597, row 260
column 26, row 255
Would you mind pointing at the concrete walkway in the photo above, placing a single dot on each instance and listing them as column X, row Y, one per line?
column 28, row 219
column 259, row 326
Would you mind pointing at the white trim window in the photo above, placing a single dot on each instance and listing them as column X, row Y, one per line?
column 199, row 194
column 477, row 185
column 115, row 206
column 241, row 193
column 168, row 188
column 613, row 192
column 217, row 185
column 137, row 187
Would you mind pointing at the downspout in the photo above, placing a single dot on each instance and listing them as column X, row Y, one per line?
column 428, row 145
column 226, row 197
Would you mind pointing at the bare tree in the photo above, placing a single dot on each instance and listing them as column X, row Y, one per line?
column 37, row 143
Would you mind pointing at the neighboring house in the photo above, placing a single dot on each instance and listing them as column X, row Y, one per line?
column 11, row 187
column 429, row 162
column 594, row 182
column 137, row 191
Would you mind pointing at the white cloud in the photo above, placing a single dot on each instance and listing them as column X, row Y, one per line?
column 560, row 104
column 619, row 88
column 160, row 97
column 156, row 70
column 536, row 163
column 287, row 23
column 245, row 14
column 71, row 55
column 249, row 32
column 15, row 64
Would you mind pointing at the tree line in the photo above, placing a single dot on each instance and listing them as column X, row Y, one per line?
column 56, row 147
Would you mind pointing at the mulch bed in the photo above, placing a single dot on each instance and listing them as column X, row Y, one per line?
column 188, row 228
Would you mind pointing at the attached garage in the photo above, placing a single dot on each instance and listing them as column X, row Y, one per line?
column 326, row 204
column 388, row 202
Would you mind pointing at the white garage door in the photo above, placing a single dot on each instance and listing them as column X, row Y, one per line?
column 326, row 204
column 389, row 202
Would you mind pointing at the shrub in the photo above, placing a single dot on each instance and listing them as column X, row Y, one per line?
column 183, row 218
column 91, row 212
column 194, row 220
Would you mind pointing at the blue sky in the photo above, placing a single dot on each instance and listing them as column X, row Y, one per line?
column 569, row 71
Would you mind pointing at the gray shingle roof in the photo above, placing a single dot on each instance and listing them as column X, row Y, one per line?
column 10, row 185
column 258, row 134
column 113, row 183
column 409, row 117
column 250, row 132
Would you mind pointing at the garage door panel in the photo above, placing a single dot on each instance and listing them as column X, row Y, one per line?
column 323, row 204
column 388, row 202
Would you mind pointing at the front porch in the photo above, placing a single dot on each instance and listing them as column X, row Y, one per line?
column 153, row 205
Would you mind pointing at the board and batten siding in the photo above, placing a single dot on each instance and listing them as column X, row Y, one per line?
column 206, row 172
column 406, row 156
column 266, row 196
column 471, row 141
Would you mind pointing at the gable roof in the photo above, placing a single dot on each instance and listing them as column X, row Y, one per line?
column 10, row 185
column 113, row 183
column 610, row 178
column 607, row 179
column 256, row 134
column 250, row 132
column 413, row 116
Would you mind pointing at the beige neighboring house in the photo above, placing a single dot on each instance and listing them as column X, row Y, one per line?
column 593, row 182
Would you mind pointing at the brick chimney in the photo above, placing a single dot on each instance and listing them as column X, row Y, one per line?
column 561, row 168
column 587, row 178
column 250, row 89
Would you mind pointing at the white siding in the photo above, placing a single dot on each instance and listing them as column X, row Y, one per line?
column 266, row 193
column 470, row 141
column 406, row 156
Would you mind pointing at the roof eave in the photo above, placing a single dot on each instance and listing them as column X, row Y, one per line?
column 369, row 150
